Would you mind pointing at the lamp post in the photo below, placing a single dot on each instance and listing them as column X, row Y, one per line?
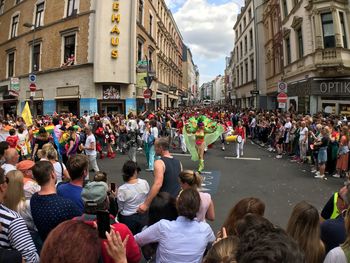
column 32, row 92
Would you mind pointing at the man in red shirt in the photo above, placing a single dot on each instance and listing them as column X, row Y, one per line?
column 13, row 139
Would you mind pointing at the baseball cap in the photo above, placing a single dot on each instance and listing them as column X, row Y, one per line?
column 25, row 165
column 146, row 120
column 94, row 193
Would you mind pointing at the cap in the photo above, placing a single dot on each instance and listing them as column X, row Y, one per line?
column 94, row 193
column 25, row 165
column 146, row 120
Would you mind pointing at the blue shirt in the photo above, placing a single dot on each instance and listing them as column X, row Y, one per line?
column 182, row 240
column 73, row 193
column 48, row 211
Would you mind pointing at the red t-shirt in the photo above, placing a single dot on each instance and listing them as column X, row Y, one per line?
column 12, row 141
column 240, row 131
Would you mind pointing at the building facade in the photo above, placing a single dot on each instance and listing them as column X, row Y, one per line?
column 219, row 90
column 190, row 74
column 317, row 55
column 86, row 55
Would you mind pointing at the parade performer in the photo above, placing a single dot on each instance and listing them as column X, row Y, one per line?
column 240, row 131
column 199, row 133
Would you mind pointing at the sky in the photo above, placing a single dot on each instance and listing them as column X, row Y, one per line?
column 207, row 29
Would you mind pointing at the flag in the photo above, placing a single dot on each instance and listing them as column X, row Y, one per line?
column 27, row 115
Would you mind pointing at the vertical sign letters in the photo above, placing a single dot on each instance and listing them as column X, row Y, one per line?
column 115, row 30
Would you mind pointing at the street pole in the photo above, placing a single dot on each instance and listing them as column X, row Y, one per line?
column 147, row 83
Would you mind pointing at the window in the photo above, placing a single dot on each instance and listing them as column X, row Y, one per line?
column 140, row 11
column 251, row 38
column 300, row 42
column 69, row 50
column 328, row 30
column 150, row 59
column 71, row 8
column 2, row 5
column 10, row 64
column 242, row 79
column 14, row 26
column 17, row 2
column 285, row 8
column 36, row 58
column 343, row 29
column 246, row 71
column 244, row 22
column 288, row 54
column 150, row 24
column 249, row 14
column 245, row 44
column 241, row 48
column 139, row 50
column 238, row 76
column 39, row 14
column 251, row 69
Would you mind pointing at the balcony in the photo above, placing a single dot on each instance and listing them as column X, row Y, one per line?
column 331, row 57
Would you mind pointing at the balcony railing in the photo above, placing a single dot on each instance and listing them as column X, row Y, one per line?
column 329, row 57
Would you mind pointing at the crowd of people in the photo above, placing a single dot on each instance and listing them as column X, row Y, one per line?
column 53, row 209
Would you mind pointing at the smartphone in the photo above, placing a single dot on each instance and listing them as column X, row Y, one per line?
column 103, row 223
column 113, row 187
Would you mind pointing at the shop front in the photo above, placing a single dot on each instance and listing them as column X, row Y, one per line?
column 111, row 102
column 68, row 100
column 8, row 103
column 329, row 95
column 38, row 105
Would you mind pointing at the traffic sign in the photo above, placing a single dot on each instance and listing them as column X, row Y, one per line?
column 282, row 97
column 282, row 87
column 281, row 105
column 254, row 92
column 32, row 78
column 146, row 100
column 32, row 87
column 147, row 93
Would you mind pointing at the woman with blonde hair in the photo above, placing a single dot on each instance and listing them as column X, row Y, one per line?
column 15, row 199
column 192, row 179
column 59, row 167
column 304, row 227
column 223, row 251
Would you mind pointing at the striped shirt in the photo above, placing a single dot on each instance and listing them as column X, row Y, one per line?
column 15, row 235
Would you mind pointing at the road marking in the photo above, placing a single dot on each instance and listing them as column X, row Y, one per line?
column 242, row 158
column 180, row 154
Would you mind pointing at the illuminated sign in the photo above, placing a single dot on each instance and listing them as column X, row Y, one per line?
column 115, row 30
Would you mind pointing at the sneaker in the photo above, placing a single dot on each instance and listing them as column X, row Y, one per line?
column 223, row 148
column 317, row 173
column 139, row 149
column 336, row 175
column 313, row 170
column 148, row 170
column 279, row 156
column 320, row 176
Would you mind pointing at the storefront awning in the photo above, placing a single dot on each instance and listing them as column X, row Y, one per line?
column 67, row 97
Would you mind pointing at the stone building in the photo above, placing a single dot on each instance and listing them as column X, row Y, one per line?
column 86, row 55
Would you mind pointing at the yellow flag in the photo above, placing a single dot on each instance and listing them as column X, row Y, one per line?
column 27, row 115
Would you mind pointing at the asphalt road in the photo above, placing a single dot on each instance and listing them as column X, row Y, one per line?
column 278, row 182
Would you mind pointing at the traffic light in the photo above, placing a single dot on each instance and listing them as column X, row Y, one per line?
column 148, row 80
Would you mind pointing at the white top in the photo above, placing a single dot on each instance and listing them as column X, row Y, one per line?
column 179, row 241
column 23, row 208
column 90, row 139
column 131, row 196
column 303, row 134
column 58, row 170
column 336, row 255
column 142, row 126
column 8, row 167
column 253, row 123
column 154, row 131
column 204, row 206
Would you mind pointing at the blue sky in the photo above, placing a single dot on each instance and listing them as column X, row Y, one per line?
column 206, row 27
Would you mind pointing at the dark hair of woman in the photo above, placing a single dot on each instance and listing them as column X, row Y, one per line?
column 129, row 169
column 163, row 206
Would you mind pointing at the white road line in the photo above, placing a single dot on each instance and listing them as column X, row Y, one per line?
column 242, row 158
column 180, row 154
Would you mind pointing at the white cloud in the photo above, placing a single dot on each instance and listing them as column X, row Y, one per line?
column 207, row 28
column 173, row 4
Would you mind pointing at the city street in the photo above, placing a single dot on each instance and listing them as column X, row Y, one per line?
column 279, row 183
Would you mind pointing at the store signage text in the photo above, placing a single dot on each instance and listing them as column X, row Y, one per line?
column 115, row 30
column 335, row 87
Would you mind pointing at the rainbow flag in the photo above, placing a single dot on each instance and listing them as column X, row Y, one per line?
column 48, row 128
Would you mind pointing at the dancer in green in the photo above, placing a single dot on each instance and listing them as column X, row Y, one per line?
column 199, row 133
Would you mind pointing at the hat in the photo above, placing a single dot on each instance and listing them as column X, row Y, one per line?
column 25, row 165
column 146, row 120
column 94, row 193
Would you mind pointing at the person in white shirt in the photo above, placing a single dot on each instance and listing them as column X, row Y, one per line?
column 182, row 240
column 303, row 141
column 151, row 138
column 90, row 149
column 287, row 128
column 11, row 157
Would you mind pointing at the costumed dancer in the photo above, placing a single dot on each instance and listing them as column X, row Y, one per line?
column 240, row 130
column 199, row 133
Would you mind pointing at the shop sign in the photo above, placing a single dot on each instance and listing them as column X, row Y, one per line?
column 140, row 82
column 115, row 32
column 111, row 92
column 335, row 87
column 14, row 87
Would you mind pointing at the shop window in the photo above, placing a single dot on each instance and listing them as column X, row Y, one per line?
column 14, row 26
column 288, row 51
column 328, row 30
column 39, row 14
column 35, row 57
column 344, row 109
column 72, row 7
column 2, row 6
column 69, row 43
column 299, row 35
column 10, row 64
column 251, row 69
column 343, row 29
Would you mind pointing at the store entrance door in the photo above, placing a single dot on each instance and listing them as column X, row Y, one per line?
column 113, row 107
column 68, row 106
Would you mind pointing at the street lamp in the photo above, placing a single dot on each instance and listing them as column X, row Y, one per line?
column 32, row 93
